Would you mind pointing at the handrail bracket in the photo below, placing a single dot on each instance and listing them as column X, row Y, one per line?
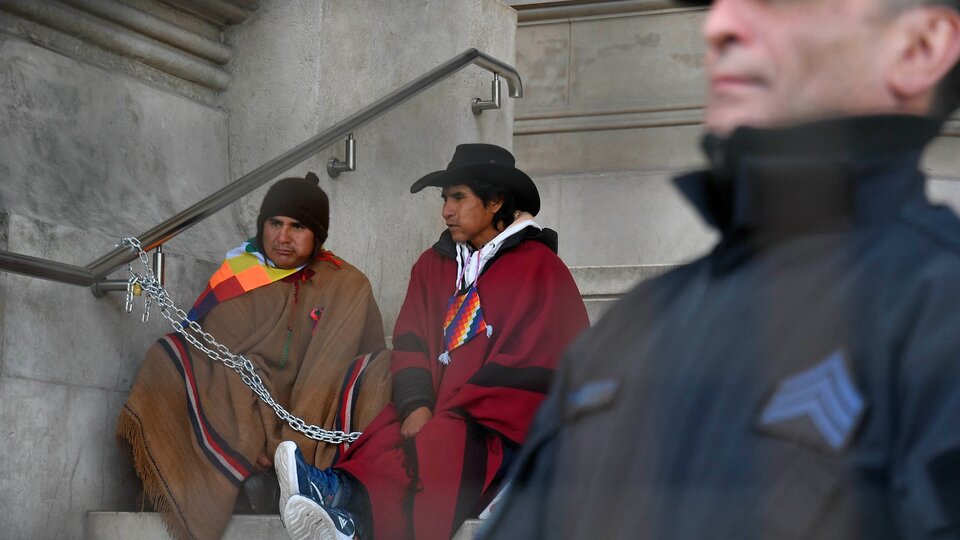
column 479, row 105
column 349, row 164
column 102, row 287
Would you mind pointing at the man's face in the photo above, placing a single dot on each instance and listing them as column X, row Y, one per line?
column 288, row 242
column 781, row 62
column 467, row 218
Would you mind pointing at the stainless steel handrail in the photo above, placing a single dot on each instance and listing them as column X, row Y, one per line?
column 98, row 269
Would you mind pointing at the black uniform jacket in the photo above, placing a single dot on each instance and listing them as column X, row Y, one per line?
column 802, row 380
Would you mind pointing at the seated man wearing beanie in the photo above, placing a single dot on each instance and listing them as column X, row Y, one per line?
column 488, row 311
column 305, row 319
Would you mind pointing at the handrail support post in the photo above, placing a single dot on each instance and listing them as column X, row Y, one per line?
column 103, row 287
column 479, row 105
column 159, row 266
column 335, row 166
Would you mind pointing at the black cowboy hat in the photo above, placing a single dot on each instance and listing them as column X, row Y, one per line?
column 490, row 163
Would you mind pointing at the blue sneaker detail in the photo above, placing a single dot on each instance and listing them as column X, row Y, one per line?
column 320, row 485
column 297, row 477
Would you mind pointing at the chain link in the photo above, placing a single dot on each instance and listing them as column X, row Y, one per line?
column 216, row 351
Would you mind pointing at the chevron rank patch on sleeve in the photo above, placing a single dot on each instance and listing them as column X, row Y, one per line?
column 819, row 406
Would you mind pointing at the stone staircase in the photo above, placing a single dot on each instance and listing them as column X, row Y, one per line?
column 619, row 228
column 604, row 179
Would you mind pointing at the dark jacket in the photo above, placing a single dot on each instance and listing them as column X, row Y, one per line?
column 800, row 381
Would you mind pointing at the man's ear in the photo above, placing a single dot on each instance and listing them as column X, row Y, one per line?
column 927, row 48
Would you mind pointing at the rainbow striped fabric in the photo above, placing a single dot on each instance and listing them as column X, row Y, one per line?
column 463, row 321
column 243, row 270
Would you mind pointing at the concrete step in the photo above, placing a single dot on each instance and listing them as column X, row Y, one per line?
column 601, row 286
column 149, row 526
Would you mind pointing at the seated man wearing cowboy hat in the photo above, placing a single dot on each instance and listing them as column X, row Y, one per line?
column 489, row 309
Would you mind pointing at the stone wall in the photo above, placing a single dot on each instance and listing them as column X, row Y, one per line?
column 613, row 111
column 95, row 147
column 87, row 156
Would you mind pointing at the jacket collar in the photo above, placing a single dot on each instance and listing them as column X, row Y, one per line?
column 548, row 237
column 765, row 185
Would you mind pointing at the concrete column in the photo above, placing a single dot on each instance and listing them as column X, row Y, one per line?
column 86, row 156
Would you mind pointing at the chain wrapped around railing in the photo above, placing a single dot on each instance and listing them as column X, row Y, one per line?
column 155, row 292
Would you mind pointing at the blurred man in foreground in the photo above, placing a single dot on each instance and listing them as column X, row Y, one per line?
column 802, row 380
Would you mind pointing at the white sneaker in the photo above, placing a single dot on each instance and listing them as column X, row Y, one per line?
column 285, row 464
column 307, row 520
column 297, row 477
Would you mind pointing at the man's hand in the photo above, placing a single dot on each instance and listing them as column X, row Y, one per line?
column 414, row 422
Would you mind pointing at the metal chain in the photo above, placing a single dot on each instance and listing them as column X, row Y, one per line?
column 219, row 352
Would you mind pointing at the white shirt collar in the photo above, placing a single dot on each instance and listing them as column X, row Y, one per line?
column 470, row 262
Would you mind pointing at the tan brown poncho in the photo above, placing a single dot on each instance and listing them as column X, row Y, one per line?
column 195, row 429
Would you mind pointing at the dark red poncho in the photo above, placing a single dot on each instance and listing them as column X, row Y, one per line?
column 483, row 401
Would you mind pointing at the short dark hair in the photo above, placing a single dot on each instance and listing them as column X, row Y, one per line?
column 488, row 192
column 946, row 97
